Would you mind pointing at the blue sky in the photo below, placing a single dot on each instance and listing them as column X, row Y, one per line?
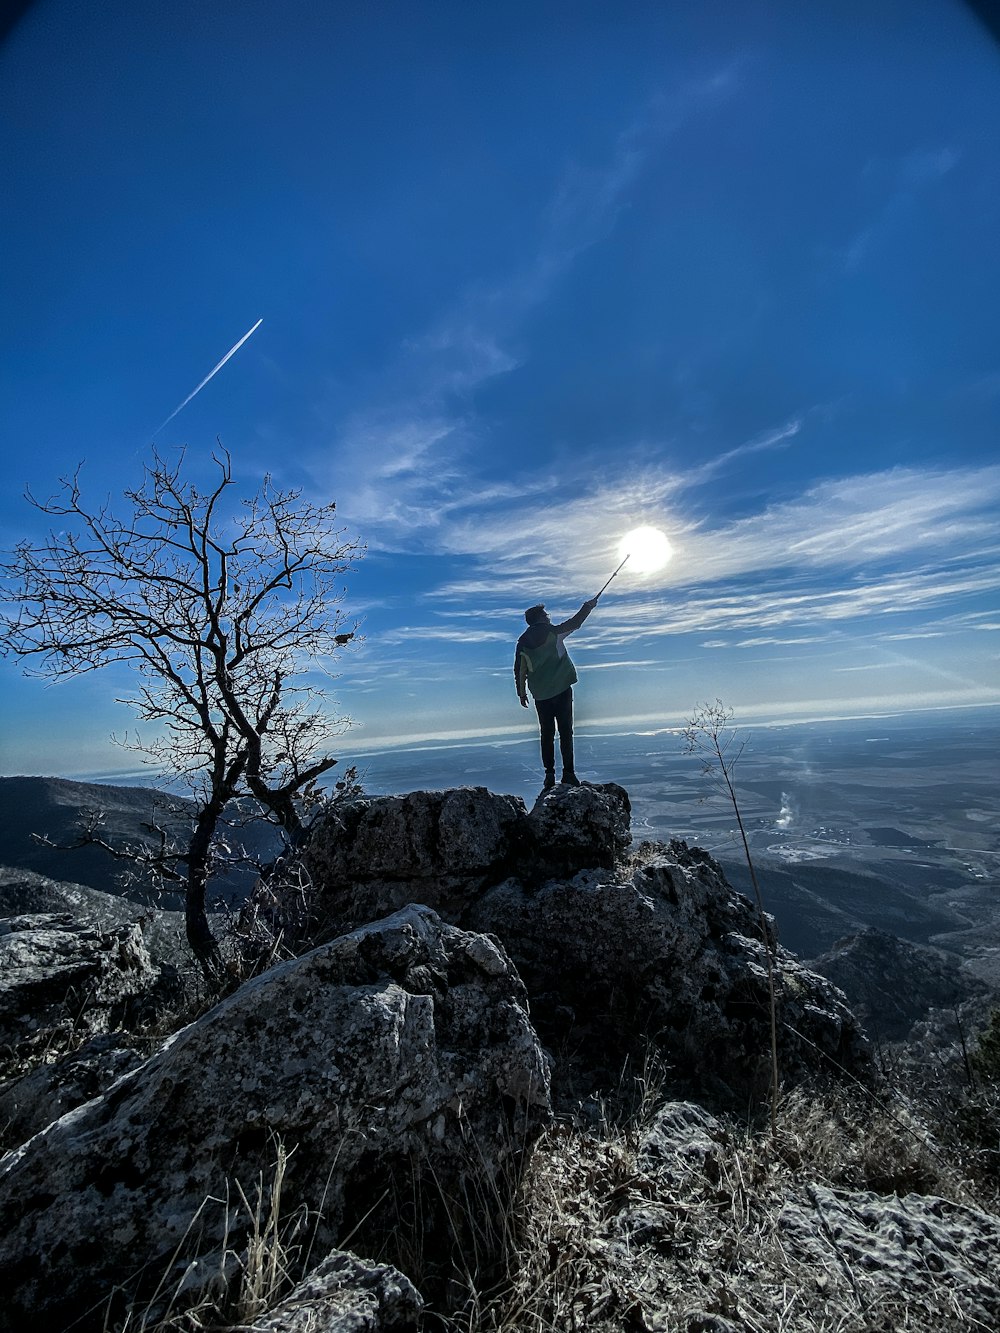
column 531, row 275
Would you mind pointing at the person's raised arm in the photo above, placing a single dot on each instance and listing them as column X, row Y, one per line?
column 574, row 622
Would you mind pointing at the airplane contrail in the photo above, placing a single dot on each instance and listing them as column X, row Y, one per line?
column 214, row 371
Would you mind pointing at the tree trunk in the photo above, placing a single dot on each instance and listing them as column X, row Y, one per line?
column 199, row 934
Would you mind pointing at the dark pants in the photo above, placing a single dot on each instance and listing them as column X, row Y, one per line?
column 552, row 713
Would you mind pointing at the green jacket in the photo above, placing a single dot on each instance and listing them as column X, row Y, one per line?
column 540, row 659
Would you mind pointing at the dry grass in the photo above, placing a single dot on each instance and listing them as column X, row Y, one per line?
column 225, row 1287
column 603, row 1246
column 596, row 1235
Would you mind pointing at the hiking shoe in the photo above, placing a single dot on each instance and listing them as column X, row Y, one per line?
column 570, row 780
column 550, row 781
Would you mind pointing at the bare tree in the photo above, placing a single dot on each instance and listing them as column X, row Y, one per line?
column 221, row 609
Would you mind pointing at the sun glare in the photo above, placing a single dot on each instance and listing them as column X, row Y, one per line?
column 647, row 549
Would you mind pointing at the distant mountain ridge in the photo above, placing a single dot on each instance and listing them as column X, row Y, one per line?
column 817, row 904
column 892, row 984
column 58, row 808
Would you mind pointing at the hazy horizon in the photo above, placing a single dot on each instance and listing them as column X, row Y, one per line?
column 526, row 738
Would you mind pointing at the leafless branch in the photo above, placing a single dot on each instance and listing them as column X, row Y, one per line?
column 219, row 608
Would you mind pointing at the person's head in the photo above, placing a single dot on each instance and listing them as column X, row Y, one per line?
column 536, row 615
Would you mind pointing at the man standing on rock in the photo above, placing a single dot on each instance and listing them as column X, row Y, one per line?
column 543, row 666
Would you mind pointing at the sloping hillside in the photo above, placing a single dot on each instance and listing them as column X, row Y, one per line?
column 58, row 809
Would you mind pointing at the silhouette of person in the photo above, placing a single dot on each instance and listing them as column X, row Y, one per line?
column 543, row 666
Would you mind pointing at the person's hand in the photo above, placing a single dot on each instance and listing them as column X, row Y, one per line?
column 524, row 700
column 592, row 602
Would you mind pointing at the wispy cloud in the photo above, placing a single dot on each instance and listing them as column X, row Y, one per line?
column 852, row 565
column 752, row 596
column 771, row 640
column 780, row 605
column 587, row 199
column 869, row 666
column 439, row 634
column 615, row 666
column 850, row 525
column 404, row 464
column 562, row 545
column 774, row 439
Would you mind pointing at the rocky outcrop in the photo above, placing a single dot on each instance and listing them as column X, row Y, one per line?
column 382, row 1090
column 29, row 1104
column 23, row 893
column 891, row 984
column 670, row 951
column 570, row 828
column 608, row 955
column 399, row 1057
column 371, row 856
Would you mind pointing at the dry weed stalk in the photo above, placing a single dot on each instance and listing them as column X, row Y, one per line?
column 270, row 1256
column 710, row 733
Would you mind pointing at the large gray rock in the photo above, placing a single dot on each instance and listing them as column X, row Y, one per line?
column 55, row 970
column 395, row 1057
column 368, row 857
column 673, row 952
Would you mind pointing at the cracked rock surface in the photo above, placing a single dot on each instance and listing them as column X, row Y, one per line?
column 407, row 1041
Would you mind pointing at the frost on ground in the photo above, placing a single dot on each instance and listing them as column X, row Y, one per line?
column 680, row 1222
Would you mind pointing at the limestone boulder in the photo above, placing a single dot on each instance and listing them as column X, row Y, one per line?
column 55, row 970
column 394, row 1063
column 577, row 828
column 366, row 858
column 673, row 952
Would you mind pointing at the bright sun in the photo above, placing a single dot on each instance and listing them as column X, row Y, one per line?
column 647, row 549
